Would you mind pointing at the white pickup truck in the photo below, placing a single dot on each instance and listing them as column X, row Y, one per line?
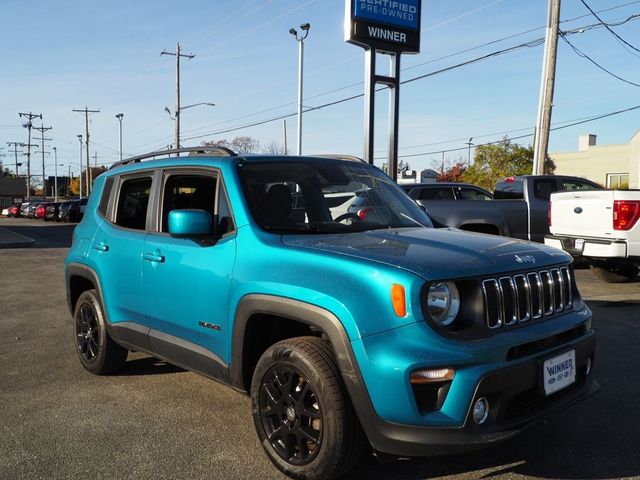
column 601, row 227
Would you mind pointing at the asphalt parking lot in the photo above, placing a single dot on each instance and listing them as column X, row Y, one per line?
column 155, row 421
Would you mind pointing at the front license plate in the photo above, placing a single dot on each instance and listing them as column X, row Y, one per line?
column 579, row 244
column 559, row 372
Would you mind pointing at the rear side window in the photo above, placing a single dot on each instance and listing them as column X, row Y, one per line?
column 443, row 193
column 133, row 201
column 543, row 188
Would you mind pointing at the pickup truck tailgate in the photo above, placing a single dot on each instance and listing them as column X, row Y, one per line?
column 582, row 213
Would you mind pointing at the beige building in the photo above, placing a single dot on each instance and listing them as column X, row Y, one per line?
column 613, row 166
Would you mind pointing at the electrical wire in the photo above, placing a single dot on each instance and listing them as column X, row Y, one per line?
column 561, row 127
column 620, row 39
column 580, row 53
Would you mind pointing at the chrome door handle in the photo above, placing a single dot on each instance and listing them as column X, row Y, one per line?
column 154, row 257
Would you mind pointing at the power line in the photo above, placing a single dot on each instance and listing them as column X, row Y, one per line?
column 592, row 119
column 530, row 44
column 584, row 55
column 608, row 27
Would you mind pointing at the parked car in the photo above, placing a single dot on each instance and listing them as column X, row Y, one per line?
column 14, row 210
column 75, row 211
column 52, row 212
column 41, row 210
column 63, row 210
column 31, row 210
column 446, row 191
column 24, row 209
column 5, row 212
column 600, row 227
column 345, row 333
column 519, row 207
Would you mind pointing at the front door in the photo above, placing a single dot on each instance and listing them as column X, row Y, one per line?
column 186, row 281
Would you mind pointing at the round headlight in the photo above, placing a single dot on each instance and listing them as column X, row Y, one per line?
column 443, row 302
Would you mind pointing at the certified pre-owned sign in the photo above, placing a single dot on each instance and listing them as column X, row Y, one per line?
column 391, row 25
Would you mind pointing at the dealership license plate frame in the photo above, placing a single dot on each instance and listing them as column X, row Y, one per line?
column 553, row 383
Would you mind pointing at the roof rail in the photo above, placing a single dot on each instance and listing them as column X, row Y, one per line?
column 339, row 156
column 193, row 151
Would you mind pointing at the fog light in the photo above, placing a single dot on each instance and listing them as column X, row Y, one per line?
column 588, row 366
column 481, row 411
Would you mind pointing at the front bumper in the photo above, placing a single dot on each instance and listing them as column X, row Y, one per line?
column 516, row 402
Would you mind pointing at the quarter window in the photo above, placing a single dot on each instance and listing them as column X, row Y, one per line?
column 133, row 201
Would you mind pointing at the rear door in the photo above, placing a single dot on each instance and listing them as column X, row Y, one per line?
column 116, row 248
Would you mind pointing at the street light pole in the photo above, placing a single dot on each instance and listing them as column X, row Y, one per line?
column 119, row 117
column 80, row 175
column 469, row 143
column 55, row 173
column 300, row 39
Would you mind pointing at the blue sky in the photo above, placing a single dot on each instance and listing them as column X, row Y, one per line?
column 106, row 55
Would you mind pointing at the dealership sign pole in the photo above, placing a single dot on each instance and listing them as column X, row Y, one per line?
column 390, row 27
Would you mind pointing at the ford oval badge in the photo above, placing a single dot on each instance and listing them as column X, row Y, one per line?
column 578, row 209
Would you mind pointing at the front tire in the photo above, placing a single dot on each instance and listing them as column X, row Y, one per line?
column 302, row 413
column 97, row 351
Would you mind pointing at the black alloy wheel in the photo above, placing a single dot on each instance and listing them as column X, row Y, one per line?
column 97, row 351
column 290, row 414
column 302, row 412
column 88, row 333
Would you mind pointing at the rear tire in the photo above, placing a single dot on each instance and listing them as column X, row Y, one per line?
column 302, row 413
column 612, row 271
column 97, row 351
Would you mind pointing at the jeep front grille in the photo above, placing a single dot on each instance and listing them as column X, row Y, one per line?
column 515, row 299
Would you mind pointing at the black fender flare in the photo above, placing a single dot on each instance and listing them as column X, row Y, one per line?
column 316, row 317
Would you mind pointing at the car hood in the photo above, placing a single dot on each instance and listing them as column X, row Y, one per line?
column 436, row 253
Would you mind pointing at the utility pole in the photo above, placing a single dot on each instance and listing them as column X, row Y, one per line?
column 543, row 123
column 469, row 144
column 43, row 129
column 15, row 152
column 86, row 112
column 177, row 54
column 29, row 125
column 95, row 159
column 80, row 174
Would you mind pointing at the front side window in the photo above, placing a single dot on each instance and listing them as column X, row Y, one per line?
column 326, row 196
column 577, row 185
column 188, row 192
column 133, row 201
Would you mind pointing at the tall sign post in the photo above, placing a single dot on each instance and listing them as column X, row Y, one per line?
column 390, row 27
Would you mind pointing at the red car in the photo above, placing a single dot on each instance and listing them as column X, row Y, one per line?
column 41, row 210
column 14, row 210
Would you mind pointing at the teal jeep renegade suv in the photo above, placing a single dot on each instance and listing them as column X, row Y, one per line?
column 351, row 327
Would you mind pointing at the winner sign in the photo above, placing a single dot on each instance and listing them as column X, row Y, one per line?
column 385, row 25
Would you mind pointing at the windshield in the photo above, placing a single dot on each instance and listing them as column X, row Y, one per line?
column 326, row 196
